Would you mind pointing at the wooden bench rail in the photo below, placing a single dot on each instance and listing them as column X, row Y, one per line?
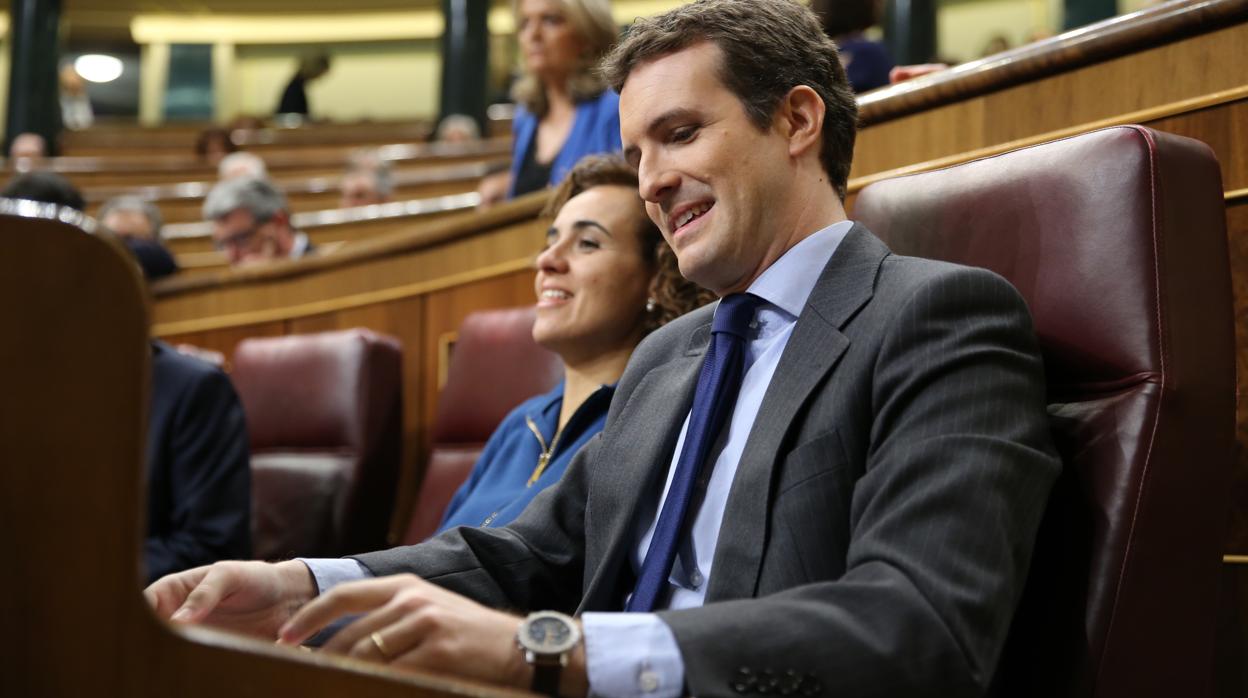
column 72, row 425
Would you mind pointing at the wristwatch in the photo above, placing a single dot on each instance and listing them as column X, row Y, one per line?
column 547, row 638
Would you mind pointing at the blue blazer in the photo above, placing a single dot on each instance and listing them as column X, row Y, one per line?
column 198, row 467
column 498, row 488
column 595, row 129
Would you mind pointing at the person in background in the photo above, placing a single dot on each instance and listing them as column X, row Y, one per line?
column 295, row 97
column 131, row 217
column 997, row 43
column 213, row 144
column 605, row 280
column 198, row 458
column 27, row 152
column 45, row 187
column 251, row 222
column 76, row 111
column 457, row 128
column 365, row 186
column 138, row 223
column 564, row 111
column 242, row 165
column 867, row 62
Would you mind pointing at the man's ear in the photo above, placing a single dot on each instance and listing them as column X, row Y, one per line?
column 801, row 116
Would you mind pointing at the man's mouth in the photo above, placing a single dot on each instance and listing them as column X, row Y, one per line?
column 690, row 215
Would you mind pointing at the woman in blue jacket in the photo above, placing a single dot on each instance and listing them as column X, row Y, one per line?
column 563, row 109
column 605, row 279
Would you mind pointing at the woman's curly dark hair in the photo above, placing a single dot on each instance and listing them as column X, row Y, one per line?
column 673, row 295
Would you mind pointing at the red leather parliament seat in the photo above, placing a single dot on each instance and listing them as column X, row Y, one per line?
column 324, row 413
column 495, row 366
column 1117, row 240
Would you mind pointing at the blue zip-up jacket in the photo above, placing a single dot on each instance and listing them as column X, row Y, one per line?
column 498, row 488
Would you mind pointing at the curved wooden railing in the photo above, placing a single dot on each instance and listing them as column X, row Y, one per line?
column 72, row 426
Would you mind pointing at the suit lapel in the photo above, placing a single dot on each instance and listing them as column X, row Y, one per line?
column 814, row 348
column 649, row 434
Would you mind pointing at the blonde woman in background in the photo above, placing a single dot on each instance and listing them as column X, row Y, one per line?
column 563, row 110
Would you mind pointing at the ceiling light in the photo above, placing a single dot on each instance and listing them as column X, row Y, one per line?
column 97, row 67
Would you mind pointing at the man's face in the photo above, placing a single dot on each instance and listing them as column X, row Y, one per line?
column 711, row 179
column 359, row 189
column 244, row 241
column 128, row 223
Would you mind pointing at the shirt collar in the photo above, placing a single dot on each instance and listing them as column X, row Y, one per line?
column 788, row 282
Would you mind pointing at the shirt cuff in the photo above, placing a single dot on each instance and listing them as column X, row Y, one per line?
column 330, row 572
column 631, row 655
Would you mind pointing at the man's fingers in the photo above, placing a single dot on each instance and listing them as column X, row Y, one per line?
column 356, row 597
column 167, row 594
column 345, row 640
column 397, row 640
column 202, row 599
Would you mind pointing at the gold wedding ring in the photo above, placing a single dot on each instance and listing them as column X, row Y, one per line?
column 381, row 646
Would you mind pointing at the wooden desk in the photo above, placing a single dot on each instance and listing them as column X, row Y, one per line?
column 72, row 442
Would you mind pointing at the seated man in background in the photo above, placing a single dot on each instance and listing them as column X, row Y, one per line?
column 829, row 483
column 365, row 186
column 242, row 165
column 27, row 152
column 251, row 223
column 198, row 466
column 138, row 223
column 131, row 217
column 457, row 128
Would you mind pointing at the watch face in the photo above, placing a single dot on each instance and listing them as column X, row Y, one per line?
column 548, row 633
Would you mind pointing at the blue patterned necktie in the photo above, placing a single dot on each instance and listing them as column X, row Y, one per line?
column 713, row 401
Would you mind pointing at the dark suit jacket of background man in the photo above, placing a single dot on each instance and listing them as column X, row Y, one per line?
column 198, row 465
column 879, row 528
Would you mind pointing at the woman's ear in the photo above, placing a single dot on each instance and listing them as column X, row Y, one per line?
column 801, row 114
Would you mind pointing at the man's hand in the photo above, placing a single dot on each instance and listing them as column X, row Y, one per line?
column 255, row 598
column 414, row 624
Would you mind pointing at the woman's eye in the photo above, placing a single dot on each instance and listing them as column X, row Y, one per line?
column 587, row 244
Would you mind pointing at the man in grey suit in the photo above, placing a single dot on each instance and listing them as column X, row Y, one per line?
column 863, row 522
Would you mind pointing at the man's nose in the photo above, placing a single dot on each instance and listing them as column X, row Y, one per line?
column 657, row 182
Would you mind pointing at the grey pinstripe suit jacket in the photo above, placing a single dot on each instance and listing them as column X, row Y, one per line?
column 879, row 529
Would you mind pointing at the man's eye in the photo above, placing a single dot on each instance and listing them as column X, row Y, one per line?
column 683, row 134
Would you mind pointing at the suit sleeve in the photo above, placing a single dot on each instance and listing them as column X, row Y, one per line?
column 536, row 561
column 942, row 521
column 209, row 479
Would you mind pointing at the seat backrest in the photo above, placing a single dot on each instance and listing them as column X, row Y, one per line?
column 495, row 366
column 1117, row 240
column 324, row 412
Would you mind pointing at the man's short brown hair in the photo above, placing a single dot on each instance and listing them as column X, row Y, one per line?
column 769, row 47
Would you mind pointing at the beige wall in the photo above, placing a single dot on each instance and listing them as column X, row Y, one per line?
column 965, row 26
column 377, row 80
